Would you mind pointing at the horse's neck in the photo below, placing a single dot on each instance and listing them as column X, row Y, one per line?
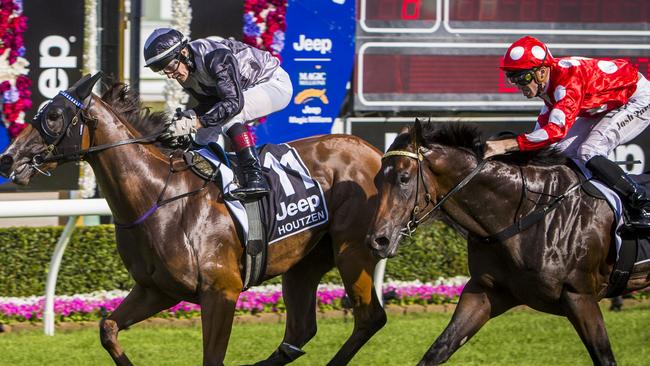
column 492, row 200
column 502, row 194
column 129, row 176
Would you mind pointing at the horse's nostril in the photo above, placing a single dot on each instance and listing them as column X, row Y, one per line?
column 6, row 162
column 381, row 242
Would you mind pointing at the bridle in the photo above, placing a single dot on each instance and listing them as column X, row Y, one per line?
column 414, row 221
column 65, row 151
column 60, row 149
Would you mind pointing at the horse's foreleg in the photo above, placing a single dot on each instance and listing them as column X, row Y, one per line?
column 140, row 304
column 585, row 315
column 356, row 266
column 299, row 286
column 217, row 312
column 475, row 307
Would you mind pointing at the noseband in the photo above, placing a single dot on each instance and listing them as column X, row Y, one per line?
column 414, row 221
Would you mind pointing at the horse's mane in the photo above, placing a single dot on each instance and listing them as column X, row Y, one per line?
column 126, row 103
column 469, row 137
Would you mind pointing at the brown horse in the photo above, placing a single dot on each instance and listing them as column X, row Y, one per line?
column 189, row 249
column 559, row 265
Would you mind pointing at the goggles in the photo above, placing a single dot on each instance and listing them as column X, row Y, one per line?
column 521, row 78
column 171, row 67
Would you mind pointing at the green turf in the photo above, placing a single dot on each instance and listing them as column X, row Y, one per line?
column 516, row 338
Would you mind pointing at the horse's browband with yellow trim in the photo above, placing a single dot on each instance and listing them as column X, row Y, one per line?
column 409, row 154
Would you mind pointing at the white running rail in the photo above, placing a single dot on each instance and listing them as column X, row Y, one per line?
column 40, row 208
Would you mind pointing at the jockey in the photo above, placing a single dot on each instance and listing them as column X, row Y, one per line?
column 590, row 107
column 233, row 83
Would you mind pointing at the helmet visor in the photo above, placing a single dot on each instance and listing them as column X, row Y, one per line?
column 171, row 67
column 521, row 78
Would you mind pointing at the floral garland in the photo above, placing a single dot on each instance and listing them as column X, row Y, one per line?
column 181, row 19
column 265, row 24
column 264, row 27
column 15, row 97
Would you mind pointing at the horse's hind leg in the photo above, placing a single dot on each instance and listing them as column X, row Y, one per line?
column 299, row 286
column 356, row 266
column 585, row 315
column 475, row 307
column 140, row 304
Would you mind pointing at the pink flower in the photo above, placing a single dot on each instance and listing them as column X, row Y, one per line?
column 4, row 86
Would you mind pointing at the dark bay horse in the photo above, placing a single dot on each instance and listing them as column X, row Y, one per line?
column 190, row 249
column 560, row 265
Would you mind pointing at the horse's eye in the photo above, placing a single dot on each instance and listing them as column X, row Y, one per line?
column 54, row 114
column 404, row 178
column 54, row 120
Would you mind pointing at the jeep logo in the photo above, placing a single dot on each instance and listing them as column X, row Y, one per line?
column 310, row 203
column 54, row 78
column 322, row 45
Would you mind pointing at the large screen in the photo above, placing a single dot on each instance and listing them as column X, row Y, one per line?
column 444, row 54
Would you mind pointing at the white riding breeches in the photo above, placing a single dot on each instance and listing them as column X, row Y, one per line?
column 589, row 137
column 259, row 101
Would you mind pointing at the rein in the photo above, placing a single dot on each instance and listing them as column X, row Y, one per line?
column 78, row 117
column 512, row 230
column 160, row 201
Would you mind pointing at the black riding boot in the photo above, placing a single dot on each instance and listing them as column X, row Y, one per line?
column 633, row 195
column 254, row 185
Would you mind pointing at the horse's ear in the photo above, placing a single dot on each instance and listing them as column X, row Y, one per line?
column 84, row 87
column 417, row 132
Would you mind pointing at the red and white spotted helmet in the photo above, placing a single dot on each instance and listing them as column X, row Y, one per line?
column 524, row 54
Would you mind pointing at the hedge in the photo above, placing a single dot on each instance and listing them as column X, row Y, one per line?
column 91, row 261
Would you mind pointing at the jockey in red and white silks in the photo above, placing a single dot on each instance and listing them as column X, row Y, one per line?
column 590, row 107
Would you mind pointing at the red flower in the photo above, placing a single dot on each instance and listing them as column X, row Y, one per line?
column 25, row 104
column 23, row 82
column 250, row 40
column 19, row 24
column 4, row 86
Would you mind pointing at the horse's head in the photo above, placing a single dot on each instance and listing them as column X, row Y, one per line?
column 423, row 168
column 403, row 192
column 53, row 136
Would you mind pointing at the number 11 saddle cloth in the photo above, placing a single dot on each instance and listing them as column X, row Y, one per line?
column 296, row 202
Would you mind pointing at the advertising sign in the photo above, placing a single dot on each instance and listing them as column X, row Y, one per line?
column 318, row 55
column 54, row 49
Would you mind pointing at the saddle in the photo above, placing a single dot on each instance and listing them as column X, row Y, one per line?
column 635, row 242
column 296, row 201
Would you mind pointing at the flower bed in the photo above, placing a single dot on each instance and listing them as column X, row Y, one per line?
column 263, row 299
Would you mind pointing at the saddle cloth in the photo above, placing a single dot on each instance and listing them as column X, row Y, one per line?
column 296, row 202
column 614, row 201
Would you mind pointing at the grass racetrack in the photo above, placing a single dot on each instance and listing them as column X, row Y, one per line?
column 515, row 338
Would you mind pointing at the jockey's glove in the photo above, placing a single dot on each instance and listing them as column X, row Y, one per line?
column 178, row 132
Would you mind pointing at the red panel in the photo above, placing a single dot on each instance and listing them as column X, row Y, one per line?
column 415, row 74
column 433, row 74
column 551, row 11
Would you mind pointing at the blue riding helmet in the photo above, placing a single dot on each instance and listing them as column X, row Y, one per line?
column 163, row 46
